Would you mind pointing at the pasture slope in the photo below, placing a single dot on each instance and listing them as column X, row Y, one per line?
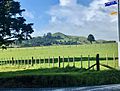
column 63, row 50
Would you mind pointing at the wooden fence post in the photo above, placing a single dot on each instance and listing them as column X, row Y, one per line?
column 88, row 61
column 40, row 61
column 49, row 61
column 4, row 62
column 73, row 61
column 8, row 61
column 97, row 62
column 68, row 60
column 28, row 61
column 12, row 61
column 53, row 61
column 59, row 61
column 106, row 59
column 81, row 62
column 0, row 62
column 63, row 61
column 24, row 61
column 114, row 62
column 35, row 61
column 32, row 61
column 21, row 61
column 16, row 62
column 44, row 61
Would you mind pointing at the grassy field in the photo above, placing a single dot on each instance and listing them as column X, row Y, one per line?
column 71, row 51
column 43, row 75
column 56, row 51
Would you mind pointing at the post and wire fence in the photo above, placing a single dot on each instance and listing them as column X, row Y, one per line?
column 60, row 61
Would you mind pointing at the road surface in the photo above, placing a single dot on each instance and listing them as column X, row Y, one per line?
column 115, row 87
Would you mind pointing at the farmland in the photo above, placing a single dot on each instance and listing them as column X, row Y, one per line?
column 46, row 52
column 56, row 51
column 22, row 74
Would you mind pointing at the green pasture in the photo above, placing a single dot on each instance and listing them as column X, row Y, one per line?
column 46, row 51
column 50, row 51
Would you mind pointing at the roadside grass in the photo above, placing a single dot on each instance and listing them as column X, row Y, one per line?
column 58, row 77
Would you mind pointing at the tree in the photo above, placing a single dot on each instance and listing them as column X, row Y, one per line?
column 12, row 24
column 49, row 35
column 91, row 38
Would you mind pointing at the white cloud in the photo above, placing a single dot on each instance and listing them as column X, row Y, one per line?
column 67, row 2
column 28, row 14
column 75, row 19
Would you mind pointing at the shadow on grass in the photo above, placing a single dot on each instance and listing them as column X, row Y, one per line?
column 42, row 71
column 58, row 77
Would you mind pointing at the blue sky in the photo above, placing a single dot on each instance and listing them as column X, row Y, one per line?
column 39, row 9
column 72, row 17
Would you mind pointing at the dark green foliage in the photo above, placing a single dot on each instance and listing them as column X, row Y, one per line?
column 67, row 77
column 12, row 24
column 91, row 38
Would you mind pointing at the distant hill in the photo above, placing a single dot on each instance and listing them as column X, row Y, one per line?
column 60, row 35
column 64, row 37
column 57, row 39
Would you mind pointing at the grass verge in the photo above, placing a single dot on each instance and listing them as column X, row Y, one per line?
column 58, row 77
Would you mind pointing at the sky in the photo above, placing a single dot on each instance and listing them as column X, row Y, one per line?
column 72, row 17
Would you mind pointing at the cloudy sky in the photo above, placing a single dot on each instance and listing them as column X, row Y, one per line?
column 72, row 17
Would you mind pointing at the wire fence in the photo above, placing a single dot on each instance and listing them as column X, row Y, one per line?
column 60, row 61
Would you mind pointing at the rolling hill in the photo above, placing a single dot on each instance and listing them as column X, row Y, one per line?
column 57, row 39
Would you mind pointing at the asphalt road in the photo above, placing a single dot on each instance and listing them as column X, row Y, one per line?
column 115, row 87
